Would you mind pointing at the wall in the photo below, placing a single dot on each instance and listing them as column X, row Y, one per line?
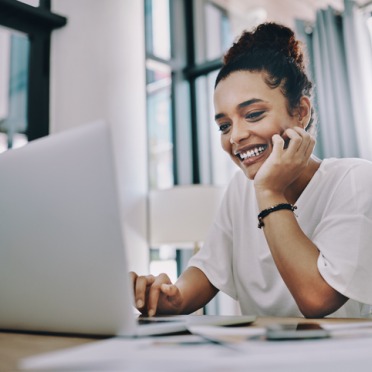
column 98, row 72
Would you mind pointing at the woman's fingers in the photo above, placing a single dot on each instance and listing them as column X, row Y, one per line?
column 294, row 141
column 141, row 285
column 154, row 293
column 300, row 142
column 149, row 291
column 169, row 289
column 278, row 144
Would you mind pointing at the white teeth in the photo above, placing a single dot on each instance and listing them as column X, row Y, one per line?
column 251, row 153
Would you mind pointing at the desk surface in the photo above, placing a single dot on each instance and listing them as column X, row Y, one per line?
column 16, row 346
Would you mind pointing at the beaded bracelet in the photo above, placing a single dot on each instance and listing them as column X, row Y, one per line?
column 274, row 208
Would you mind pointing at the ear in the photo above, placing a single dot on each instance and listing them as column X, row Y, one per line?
column 304, row 112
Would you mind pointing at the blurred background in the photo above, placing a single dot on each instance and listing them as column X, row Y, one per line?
column 148, row 68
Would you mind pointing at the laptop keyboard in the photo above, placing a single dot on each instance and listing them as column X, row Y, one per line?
column 153, row 320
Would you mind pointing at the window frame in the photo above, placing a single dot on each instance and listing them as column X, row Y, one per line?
column 37, row 23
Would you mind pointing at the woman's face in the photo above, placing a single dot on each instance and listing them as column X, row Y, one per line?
column 249, row 113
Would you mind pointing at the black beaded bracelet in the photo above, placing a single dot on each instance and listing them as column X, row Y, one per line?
column 274, row 208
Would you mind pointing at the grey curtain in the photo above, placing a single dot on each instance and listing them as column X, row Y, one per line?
column 340, row 54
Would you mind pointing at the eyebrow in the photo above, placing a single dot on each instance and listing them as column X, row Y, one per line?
column 249, row 102
column 240, row 106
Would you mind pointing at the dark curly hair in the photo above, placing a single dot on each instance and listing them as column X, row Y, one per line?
column 273, row 49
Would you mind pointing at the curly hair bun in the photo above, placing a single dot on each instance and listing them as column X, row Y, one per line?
column 271, row 36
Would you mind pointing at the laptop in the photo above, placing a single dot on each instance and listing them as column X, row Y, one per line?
column 63, row 266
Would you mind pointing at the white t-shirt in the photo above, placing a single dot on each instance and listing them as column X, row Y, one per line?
column 334, row 211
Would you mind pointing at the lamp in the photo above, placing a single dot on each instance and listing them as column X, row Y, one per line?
column 182, row 215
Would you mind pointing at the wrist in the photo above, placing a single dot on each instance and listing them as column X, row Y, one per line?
column 278, row 207
column 268, row 198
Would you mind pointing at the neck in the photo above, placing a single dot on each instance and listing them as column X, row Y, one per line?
column 295, row 190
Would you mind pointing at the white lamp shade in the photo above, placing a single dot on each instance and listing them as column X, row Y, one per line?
column 182, row 215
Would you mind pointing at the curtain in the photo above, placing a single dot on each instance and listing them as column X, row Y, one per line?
column 340, row 54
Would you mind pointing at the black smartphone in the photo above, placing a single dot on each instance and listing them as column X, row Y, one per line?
column 295, row 331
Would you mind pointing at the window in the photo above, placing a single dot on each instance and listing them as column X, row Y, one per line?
column 159, row 88
column 13, row 88
column 183, row 140
column 25, row 32
column 34, row 3
column 214, row 36
column 159, row 93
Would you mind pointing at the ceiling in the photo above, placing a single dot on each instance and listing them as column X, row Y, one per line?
column 247, row 13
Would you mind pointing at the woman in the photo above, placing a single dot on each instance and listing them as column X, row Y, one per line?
column 294, row 235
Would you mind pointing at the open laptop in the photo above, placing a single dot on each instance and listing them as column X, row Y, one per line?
column 63, row 267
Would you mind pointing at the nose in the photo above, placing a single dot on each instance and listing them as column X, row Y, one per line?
column 239, row 132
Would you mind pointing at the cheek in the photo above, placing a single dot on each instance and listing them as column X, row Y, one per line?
column 270, row 127
column 225, row 143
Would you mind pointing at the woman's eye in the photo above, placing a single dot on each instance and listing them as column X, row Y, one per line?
column 224, row 127
column 254, row 115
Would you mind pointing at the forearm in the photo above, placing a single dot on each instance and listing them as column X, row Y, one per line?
column 196, row 290
column 296, row 256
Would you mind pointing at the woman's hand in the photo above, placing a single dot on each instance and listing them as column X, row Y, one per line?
column 156, row 294
column 284, row 165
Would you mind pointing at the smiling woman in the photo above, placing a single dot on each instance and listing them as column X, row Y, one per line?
column 260, row 117
column 291, row 265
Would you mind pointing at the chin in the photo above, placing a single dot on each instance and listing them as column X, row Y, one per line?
column 250, row 173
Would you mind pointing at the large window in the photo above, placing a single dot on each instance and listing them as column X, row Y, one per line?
column 212, row 37
column 159, row 93
column 184, row 47
column 185, row 41
column 160, row 125
column 25, row 30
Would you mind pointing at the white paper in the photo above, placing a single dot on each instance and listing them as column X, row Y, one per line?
column 193, row 353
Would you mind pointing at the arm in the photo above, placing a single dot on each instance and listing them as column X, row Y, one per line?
column 296, row 259
column 157, row 295
column 294, row 254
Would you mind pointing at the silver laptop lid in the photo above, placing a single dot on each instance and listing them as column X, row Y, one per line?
column 62, row 262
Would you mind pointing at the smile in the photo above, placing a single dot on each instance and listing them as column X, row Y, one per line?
column 256, row 151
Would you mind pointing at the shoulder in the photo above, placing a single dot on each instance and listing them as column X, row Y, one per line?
column 346, row 177
column 346, row 168
column 345, row 164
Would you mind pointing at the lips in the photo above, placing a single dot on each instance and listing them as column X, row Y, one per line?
column 250, row 152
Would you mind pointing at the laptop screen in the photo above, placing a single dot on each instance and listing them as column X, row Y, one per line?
column 62, row 262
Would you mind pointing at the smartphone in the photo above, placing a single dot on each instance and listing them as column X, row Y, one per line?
column 295, row 331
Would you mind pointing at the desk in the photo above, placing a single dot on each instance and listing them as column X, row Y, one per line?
column 16, row 346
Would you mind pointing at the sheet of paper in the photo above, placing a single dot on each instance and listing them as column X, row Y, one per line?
column 226, row 334
column 186, row 353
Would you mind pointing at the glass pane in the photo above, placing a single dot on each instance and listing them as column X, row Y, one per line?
column 14, row 53
column 216, row 166
column 369, row 25
column 34, row 3
column 212, row 26
column 159, row 121
column 218, row 36
column 158, row 39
